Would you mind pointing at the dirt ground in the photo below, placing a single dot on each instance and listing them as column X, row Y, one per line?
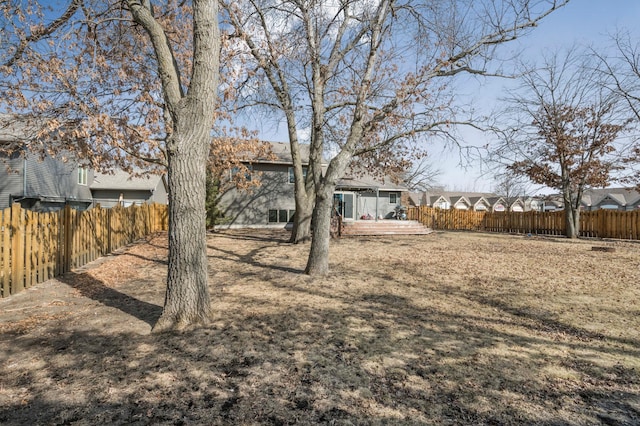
column 446, row 329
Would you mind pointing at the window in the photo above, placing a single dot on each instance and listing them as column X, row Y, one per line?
column 82, row 175
column 393, row 198
column 292, row 178
column 280, row 215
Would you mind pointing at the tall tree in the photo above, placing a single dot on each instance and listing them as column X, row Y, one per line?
column 565, row 131
column 621, row 70
column 363, row 77
column 119, row 82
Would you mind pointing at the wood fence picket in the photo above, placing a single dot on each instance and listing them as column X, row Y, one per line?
column 599, row 223
column 38, row 246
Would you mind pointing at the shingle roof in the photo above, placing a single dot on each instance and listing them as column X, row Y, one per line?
column 123, row 180
column 14, row 129
column 622, row 196
column 282, row 152
column 356, row 177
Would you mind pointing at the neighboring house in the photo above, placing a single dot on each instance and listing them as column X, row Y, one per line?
column 552, row 203
column 272, row 203
column 122, row 188
column 516, row 204
column 39, row 184
column 48, row 184
column 474, row 201
column 438, row 202
column 479, row 203
column 415, row 199
column 460, row 202
column 498, row 204
column 43, row 184
column 621, row 199
column 624, row 199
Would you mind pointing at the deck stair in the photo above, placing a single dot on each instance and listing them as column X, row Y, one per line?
column 384, row 227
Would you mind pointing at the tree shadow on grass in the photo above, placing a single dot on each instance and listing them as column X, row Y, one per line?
column 249, row 258
column 349, row 357
column 541, row 320
column 96, row 290
column 371, row 358
column 269, row 236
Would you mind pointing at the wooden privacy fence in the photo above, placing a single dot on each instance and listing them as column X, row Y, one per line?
column 38, row 246
column 598, row 223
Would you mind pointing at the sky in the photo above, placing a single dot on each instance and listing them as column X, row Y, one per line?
column 584, row 22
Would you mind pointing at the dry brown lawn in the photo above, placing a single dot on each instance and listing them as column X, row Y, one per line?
column 449, row 328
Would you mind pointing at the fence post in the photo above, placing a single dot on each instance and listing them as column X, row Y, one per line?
column 5, row 233
column 67, row 240
column 17, row 249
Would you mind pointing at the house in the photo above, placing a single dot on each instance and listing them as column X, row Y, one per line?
column 621, row 199
column 515, row 204
column 39, row 183
column 498, row 204
column 272, row 204
column 624, row 199
column 473, row 201
column 43, row 183
column 120, row 187
column 372, row 197
column 479, row 203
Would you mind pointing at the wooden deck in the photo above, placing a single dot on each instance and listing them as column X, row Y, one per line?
column 384, row 227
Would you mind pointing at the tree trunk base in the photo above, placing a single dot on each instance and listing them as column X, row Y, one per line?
column 300, row 240
column 168, row 323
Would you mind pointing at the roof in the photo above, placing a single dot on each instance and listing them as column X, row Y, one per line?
column 455, row 199
column 123, row 180
column 359, row 180
column 622, row 196
column 450, row 196
column 595, row 196
column 15, row 129
column 282, row 153
column 366, row 181
column 416, row 198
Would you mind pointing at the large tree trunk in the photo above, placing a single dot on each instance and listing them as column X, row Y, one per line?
column 572, row 221
column 301, row 231
column 318, row 261
column 187, row 301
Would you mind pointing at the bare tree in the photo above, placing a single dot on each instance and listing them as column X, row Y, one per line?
column 564, row 130
column 621, row 70
column 119, row 82
column 363, row 76
column 422, row 175
column 510, row 185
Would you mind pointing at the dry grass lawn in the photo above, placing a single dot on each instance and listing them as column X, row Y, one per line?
column 449, row 328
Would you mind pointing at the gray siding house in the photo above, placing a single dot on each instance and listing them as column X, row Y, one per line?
column 272, row 203
column 48, row 184
column 110, row 189
column 43, row 184
column 37, row 183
